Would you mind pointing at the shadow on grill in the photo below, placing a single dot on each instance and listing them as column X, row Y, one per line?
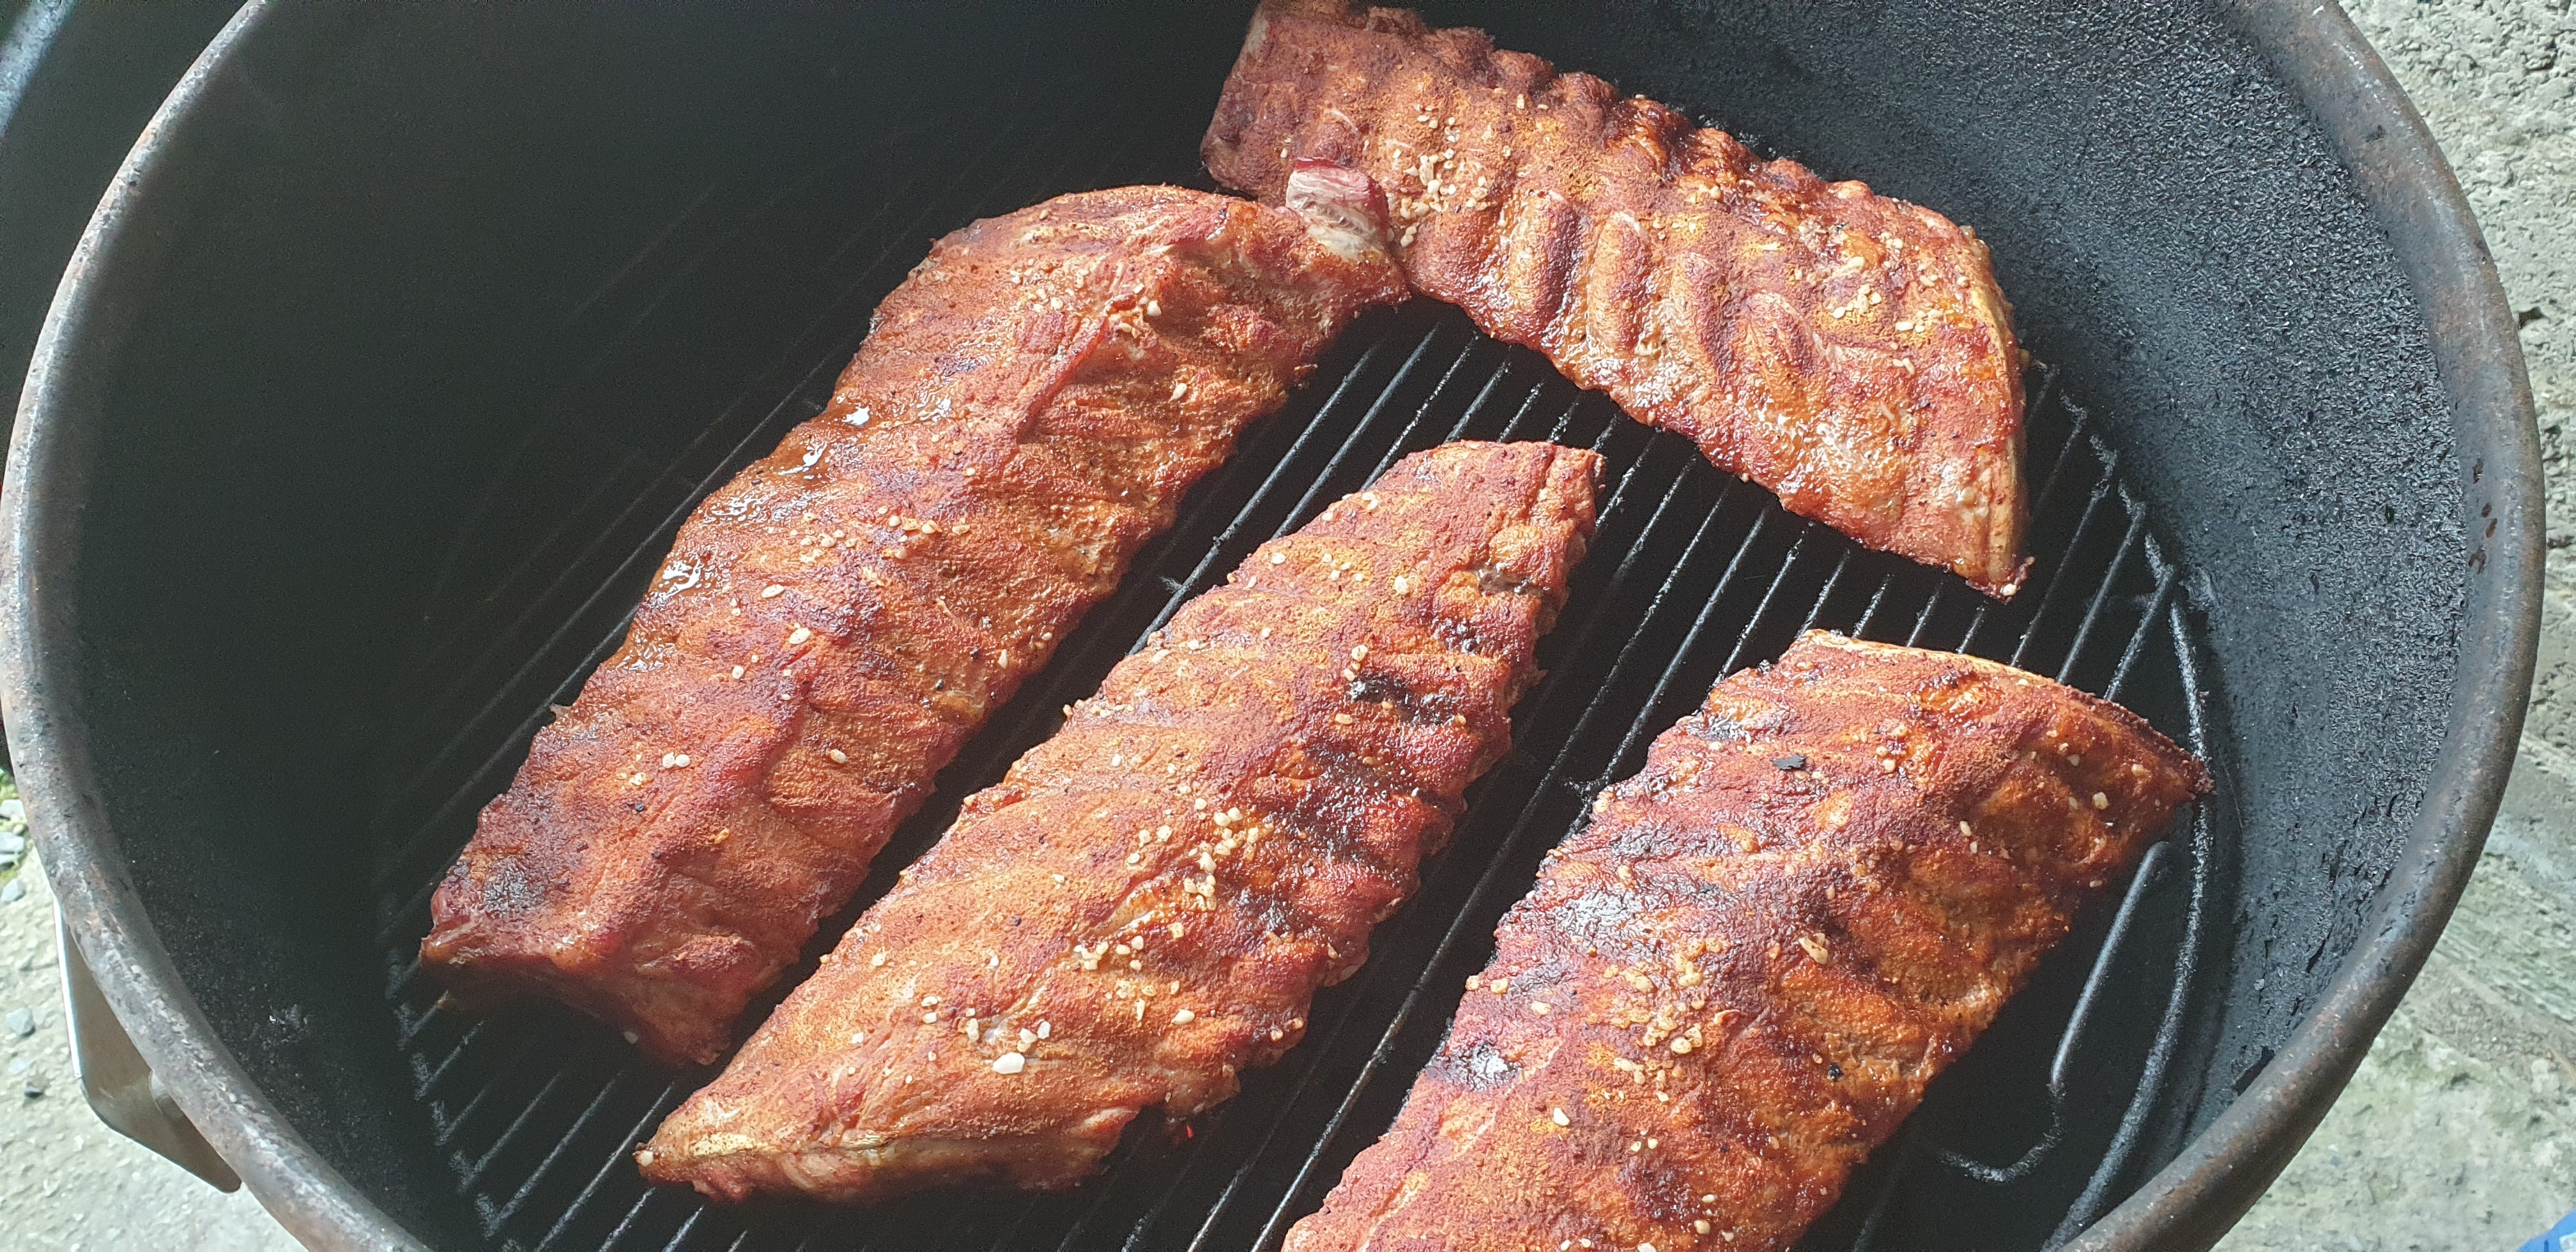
column 1692, row 575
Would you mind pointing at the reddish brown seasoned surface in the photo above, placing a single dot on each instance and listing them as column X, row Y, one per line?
column 1145, row 906
column 1734, row 983
column 1848, row 351
column 835, row 622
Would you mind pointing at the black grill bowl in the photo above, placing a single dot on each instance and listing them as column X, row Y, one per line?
column 408, row 335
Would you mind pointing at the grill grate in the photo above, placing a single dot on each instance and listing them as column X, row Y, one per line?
column 1691, row 575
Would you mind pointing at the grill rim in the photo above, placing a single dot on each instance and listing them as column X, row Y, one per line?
column 2415, row 198
column 2383, row 143
column 40, row 504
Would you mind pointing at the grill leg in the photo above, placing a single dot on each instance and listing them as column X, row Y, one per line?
column 121, row 1087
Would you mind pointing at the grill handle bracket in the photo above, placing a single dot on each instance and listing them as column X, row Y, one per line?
column 119, row 1084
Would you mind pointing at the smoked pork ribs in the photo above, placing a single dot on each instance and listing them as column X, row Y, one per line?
column 1848, row 351
column 1145, row 905
column 1736, row 980
column 831, row 625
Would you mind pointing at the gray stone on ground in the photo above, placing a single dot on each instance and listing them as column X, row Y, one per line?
column 67, row 1182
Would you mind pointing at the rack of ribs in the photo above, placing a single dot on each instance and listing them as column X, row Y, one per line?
column 1848, row 351
column 1735, row 982
column 835, row 622
column 1144, row 907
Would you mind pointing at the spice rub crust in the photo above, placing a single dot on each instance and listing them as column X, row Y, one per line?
column 1849, row 351
column 1735, row 982
column 1146, row 904
column 834, row 623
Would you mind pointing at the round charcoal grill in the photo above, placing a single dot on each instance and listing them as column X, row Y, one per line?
column 410, row 336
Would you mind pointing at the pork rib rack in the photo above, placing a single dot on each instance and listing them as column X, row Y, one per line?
column 1735, row 982
column 835, row 622
column 1144, row 906
column 1848, row 351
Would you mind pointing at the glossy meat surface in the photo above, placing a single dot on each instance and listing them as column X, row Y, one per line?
column 1144, row 907
column 1848, row 351
column 833, row 624
column 1736, row 980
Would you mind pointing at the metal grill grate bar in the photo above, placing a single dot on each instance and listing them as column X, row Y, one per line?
column 635, row 1211
column 581, row 1122
column 2162, row 1055
column 474, row 1174
column 612, row 1168
column 465, row 1111
column 1330, row 473
column 2138, row 639
column 1824, row 594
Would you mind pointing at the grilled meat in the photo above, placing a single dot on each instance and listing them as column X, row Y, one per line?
column 1848, row 351
column 1735, row 982
column 1144, row 907
column 836, row 621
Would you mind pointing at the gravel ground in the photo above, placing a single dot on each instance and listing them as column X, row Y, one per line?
column 66, row 1180
column 2459, row 1131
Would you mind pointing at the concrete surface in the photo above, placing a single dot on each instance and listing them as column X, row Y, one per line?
column 67, row 1181
column 2458, row 1132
